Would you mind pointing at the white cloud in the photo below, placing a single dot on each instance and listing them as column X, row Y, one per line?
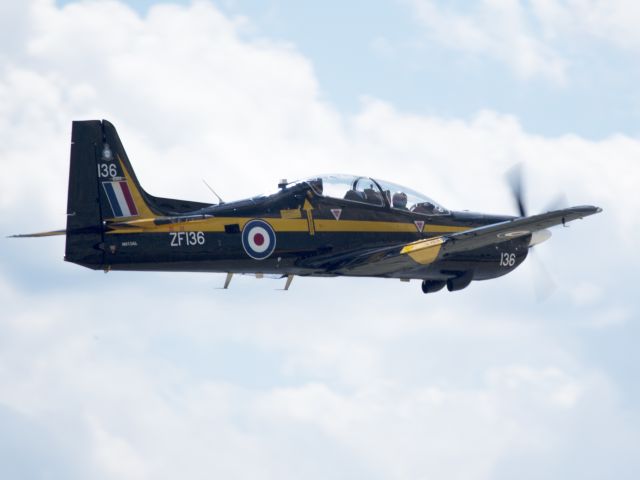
column 158, row 376
column 535, row 39
column 586, row 293
column 139, row 411
column 115, row 454
column 612, row 21
column 610, row 317
column 499, row 29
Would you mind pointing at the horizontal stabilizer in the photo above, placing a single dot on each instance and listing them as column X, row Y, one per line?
column 39, row 234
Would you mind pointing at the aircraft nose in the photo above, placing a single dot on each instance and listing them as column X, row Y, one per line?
column 539, row 236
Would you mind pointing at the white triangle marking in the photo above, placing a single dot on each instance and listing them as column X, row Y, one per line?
column 419, row 225
column 336, row 213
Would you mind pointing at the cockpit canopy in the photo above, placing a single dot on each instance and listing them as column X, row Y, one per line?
column 374, row 192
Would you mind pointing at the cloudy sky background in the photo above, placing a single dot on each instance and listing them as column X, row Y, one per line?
column 166, row 376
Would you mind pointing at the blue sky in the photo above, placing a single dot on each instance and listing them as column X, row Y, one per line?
column 384, row 51
column 166, row 375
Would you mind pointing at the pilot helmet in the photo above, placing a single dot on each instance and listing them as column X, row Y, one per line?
column 399, row 200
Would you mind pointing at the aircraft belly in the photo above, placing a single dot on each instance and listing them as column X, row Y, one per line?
column 295, row 252
column 226, row 252
column 488, row 262
column 483, row 263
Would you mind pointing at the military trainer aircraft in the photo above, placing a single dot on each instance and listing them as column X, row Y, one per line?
column 332, row 225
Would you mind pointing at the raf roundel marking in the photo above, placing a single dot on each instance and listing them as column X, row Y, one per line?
column 258, row 239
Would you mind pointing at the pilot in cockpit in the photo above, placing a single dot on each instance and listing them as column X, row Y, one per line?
column 399, row 200
column 316, row 184
column 427, row 208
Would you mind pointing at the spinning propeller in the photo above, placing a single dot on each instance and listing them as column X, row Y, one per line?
column 514, row 179
column 544, row 284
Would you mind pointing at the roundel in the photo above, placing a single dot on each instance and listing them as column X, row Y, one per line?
column 258, row 239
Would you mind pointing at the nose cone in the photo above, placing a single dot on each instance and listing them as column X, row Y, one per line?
column 539, row 236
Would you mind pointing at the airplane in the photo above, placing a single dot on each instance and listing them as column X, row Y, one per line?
column 325, row 226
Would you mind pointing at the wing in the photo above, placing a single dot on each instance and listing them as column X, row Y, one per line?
column 383, row 261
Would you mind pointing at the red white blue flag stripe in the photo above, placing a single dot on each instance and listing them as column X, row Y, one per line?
column 120, row 199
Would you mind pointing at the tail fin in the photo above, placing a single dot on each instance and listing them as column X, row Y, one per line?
column 102, row 187
column 121, row 196
column 84, row 218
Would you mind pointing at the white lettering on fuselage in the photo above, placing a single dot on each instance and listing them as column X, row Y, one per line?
column 186, row 239
column 507, row 259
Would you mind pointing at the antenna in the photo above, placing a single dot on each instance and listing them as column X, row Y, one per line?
column 213, row 191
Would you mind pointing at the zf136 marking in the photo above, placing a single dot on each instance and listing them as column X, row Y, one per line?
column 186, row 239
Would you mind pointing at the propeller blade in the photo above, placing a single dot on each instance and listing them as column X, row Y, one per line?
column 543, row 283
column 558, row 203
column 514, row 179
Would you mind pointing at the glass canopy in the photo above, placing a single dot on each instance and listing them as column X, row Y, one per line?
column 375, row 192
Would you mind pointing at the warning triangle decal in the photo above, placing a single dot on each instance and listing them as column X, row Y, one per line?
column 419, row 225
column 336, row 213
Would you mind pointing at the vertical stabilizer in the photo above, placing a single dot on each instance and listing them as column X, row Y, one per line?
column 104, row 189
column 84, row 219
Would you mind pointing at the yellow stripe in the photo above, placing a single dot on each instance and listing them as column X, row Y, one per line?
column 308, row 208
column 444, row 228
column 217, row 224
column 141, row 205
column 325, row 225
column 291, row 213
column 214, row 225
column 370, row 226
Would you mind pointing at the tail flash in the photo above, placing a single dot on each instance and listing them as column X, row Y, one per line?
column 120, row 199
column 121, row 196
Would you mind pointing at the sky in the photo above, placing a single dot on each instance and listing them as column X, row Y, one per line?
column 157, row 375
